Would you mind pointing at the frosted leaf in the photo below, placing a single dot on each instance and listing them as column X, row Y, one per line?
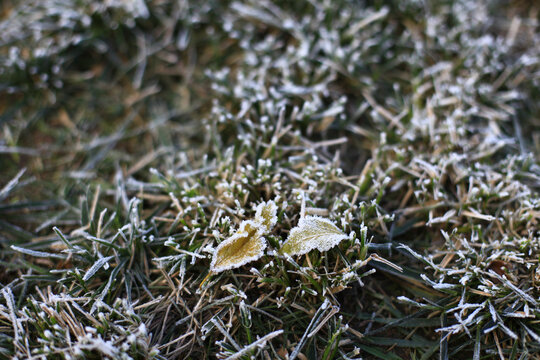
column 312, row 232
column 246, row 245
column 266, row 215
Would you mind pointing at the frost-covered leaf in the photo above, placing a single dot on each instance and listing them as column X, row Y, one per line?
column 266, row 215
column 246, row 245
column 312, row 232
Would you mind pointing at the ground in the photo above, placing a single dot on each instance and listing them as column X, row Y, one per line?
column 370, row 168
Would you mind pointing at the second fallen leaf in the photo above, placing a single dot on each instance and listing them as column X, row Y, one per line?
column 312, row 232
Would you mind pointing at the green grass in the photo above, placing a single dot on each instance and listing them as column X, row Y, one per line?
column 135, row 138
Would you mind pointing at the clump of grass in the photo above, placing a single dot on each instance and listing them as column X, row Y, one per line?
column 137, row 138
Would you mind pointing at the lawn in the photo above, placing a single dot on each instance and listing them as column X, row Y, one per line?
column 307, row 179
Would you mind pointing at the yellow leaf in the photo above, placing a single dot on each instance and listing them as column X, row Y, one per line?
column 266, row 215
column 246, row 245
column 312, row 232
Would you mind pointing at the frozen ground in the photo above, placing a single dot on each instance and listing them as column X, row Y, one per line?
column 395, row 144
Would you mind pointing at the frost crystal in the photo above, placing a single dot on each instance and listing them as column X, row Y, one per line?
column 312, row 232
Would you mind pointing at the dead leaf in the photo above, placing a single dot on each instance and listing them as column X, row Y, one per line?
column 246, row 245
column 312, row 232
column 266, row 215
